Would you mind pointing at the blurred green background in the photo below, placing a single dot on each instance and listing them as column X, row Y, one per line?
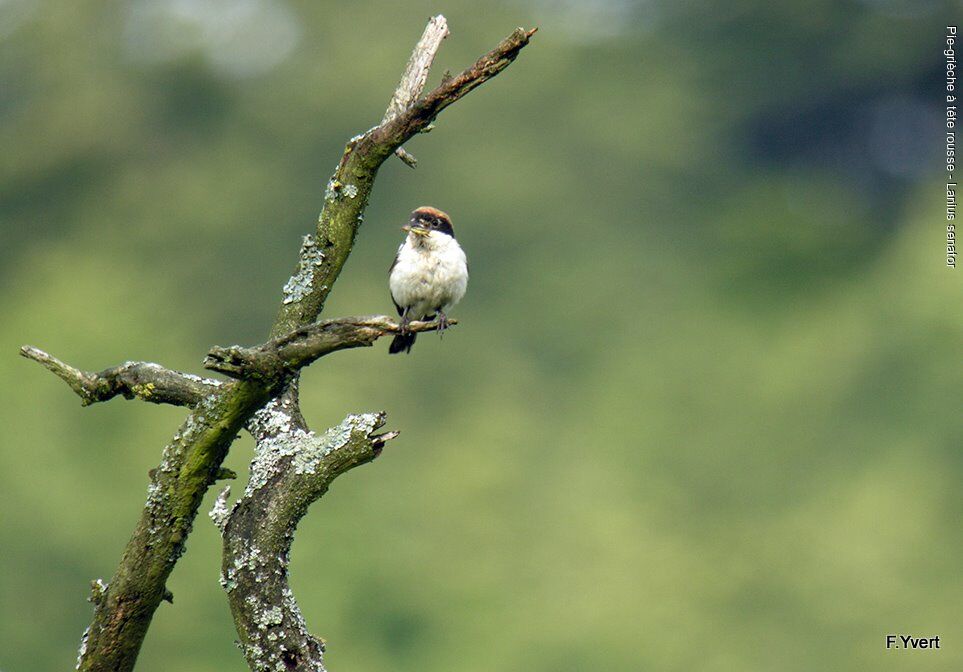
column 701, row 412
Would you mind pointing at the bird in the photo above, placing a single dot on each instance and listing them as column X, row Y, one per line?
column 429, row 274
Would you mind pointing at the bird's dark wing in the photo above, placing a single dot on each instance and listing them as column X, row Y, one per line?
column 391, row 268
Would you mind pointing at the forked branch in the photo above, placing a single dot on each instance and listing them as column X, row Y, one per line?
column 191, row 461
column 291, row 469
column 416, row 76
column 323, row 255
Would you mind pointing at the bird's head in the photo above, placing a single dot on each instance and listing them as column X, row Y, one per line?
column 425, row 220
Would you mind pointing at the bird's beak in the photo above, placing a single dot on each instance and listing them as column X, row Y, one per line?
column 417, row 230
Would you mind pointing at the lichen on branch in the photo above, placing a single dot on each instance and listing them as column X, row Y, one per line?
column 292, row 468
column 142, row 380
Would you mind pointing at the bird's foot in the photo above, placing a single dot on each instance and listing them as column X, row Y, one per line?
column 405, row 321
column 442, row 324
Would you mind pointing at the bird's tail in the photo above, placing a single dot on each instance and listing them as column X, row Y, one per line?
column 402, row 343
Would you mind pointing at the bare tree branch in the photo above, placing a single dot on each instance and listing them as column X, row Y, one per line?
column 416, row 76
column 292, row 468
column 140, row 380
column 305, row 345
column 191, row 462
column 417, row 118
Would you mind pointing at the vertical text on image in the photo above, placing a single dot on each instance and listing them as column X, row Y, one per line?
column 949, row 52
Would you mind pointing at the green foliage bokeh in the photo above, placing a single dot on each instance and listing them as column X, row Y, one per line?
column 701, row 411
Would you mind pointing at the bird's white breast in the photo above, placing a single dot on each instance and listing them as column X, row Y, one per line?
column 429, row 275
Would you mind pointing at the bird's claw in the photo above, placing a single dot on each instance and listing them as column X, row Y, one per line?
column 442, row 324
